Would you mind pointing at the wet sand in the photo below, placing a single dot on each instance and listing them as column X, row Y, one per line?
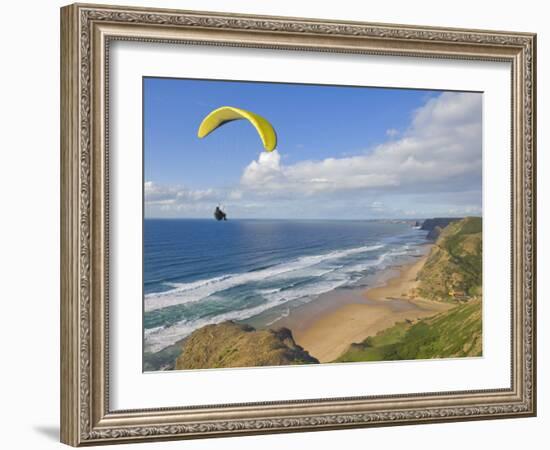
column 327, row 326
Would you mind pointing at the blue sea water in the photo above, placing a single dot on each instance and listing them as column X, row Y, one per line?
column 198, row 272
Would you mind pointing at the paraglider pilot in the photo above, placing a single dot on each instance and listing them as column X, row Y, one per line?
column 219, row 214
column 226, row 114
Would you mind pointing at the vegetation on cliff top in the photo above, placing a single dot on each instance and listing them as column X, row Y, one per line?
column 455, row 333
column 453, row 269
column 229, row 344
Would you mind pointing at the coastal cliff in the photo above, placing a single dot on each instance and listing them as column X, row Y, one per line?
column 452, row 273
column 229, row 344
column 453, row 269
column 441, row 222
column 435, row 226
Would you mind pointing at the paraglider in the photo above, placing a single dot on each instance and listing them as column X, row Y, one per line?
column 219, row 214
column 225, row 114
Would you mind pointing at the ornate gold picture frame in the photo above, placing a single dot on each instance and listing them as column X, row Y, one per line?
column 87, row 32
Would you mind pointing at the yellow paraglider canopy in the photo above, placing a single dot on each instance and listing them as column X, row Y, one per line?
column 225, row 114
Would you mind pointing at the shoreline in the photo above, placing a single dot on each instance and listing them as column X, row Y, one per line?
column 327, row 326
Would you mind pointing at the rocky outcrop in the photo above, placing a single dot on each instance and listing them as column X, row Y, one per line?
column 453, row 270
column 434, row 233
column 434, row 226
column 229, row 344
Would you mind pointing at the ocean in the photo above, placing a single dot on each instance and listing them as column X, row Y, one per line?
column 198, row 272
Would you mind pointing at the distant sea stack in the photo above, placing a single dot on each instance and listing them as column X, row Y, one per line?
column 434, row 226
column 229, row 344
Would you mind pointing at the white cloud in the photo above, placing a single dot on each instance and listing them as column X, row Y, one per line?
column 392, row 132
column 162, row 194
column 177, row 198
column 441, row 147
column 263, row 171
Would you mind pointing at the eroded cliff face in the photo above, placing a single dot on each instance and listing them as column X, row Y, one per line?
column 438, row 222
column 453, row 271
column 229, row 344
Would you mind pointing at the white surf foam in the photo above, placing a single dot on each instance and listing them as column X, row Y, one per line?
column 198, row 290
column 160, row 337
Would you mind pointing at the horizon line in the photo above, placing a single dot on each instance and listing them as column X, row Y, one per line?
column 317, row 218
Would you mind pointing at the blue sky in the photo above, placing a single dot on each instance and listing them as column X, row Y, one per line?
column 341, row 146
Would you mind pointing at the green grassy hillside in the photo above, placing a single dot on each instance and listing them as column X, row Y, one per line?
column 455, row 333
column 453, row 269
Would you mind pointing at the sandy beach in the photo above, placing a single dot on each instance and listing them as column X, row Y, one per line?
column 326, row 327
